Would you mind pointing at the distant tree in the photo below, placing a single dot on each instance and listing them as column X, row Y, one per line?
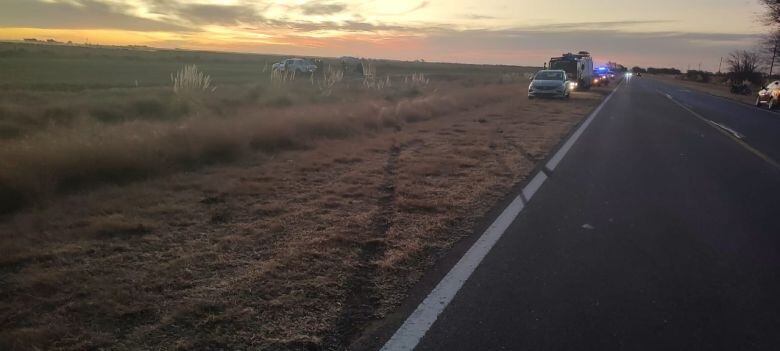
column 653, row 70
column 744, row 65
column 769, row 48
column 637, row 69
column 698, row 76
column 772, row 15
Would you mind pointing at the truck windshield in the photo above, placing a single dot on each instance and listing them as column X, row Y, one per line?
column 549, row 75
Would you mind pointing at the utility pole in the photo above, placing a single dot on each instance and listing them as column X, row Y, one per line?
column 774, row 54
column 720, row 65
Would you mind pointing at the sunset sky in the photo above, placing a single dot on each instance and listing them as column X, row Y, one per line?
column 635, row 32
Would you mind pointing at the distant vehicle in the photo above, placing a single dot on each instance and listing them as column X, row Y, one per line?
column 578, row 67
column 599, row 80
column 770, row 95
column 550, row 83
column 296, row 65
column 351, row 65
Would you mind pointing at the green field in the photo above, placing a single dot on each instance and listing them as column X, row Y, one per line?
column 66, row 67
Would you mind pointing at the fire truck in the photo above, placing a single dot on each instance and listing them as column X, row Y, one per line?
column 578, row 67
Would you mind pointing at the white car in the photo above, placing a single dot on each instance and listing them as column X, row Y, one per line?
column 769, row 95
column 550, row 83
column 296, row 65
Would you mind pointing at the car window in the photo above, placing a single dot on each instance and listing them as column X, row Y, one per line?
column 549, row 75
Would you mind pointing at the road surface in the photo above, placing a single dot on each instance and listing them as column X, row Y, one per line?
column 659, row 230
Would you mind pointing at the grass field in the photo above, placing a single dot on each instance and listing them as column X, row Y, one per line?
column 62, row 67
column 284, row 215
column 72, row 117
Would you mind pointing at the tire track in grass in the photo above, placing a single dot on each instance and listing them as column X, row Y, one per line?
column 362, row 298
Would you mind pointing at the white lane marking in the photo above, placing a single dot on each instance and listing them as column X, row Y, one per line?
column 733, row 102
column 739, row 141
column 420, row 321
column 736, row 134
column 689, row 108
column 534, row 185
column 414, row 328
column 573, row 139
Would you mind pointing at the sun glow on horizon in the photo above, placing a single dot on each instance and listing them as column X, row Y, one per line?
column 492, row 31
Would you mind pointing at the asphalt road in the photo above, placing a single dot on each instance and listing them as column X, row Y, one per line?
column 657, row 231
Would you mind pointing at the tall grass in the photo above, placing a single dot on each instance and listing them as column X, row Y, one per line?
column 190, row 80
column 330, row 77
column 416, row 79
column 61, row 160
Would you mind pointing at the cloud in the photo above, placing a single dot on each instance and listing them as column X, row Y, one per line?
column 635, row 48
column 77, row 14
column 343, row 26
column 218, row 14
column 421, row 6
column 319, row 8
column 478, row 17
column 595, row 25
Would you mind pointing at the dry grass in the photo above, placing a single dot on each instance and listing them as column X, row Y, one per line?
column 297, row 247
column 190, row 80
column 91, row 152
column 273, row 216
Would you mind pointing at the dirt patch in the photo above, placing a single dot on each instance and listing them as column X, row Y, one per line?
column 295, row 250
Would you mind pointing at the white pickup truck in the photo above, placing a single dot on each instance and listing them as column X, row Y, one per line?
column 296, row 65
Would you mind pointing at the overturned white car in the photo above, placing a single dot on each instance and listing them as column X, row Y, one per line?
column 296, row 65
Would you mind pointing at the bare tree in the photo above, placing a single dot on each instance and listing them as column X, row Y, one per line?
column 772, row 15
column 769, row 48
column 744, row 65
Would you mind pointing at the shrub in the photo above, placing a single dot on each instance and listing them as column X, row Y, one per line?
column 698, row 76
column 108, row 114
column 59, row 115
column 148, row 108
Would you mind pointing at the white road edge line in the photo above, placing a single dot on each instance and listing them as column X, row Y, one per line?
column 420, row 321
column 534, row 185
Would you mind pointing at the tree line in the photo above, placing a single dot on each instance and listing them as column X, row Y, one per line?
column 754, row 66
